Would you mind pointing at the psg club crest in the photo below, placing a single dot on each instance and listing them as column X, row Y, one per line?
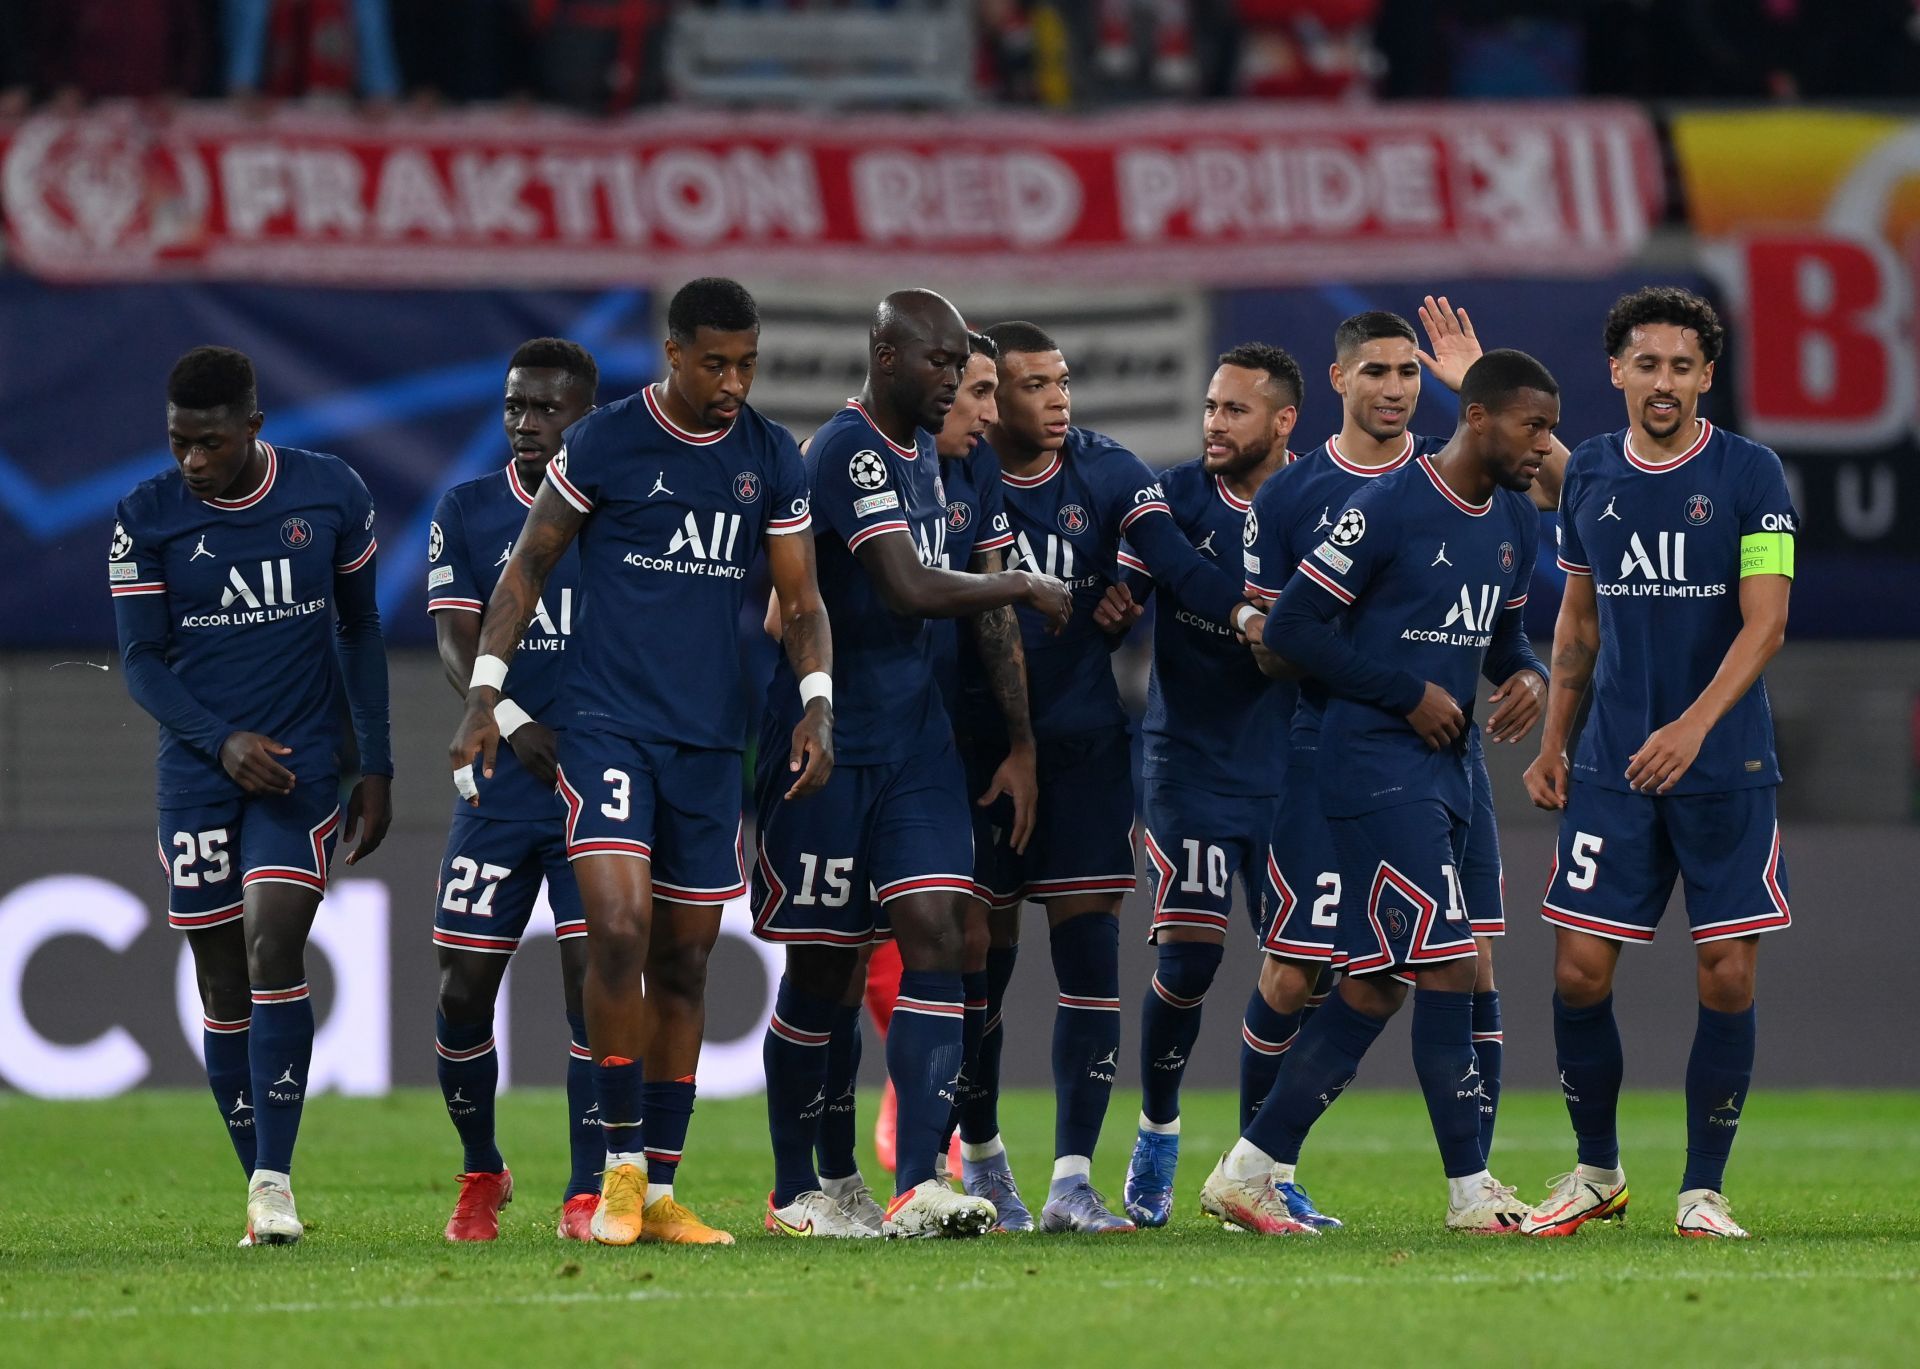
column 1506, row 556
column 746, row 487
column 958, row 516
column 1395, row 923
column 121, row 544
column 867, row 470
column 296, row 533
column 1073, row 519
column 1350, row 528
column 436, row 541
column 1699, row 509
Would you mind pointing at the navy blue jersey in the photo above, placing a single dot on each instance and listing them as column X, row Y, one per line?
column 976, row 524
column 473, row 533
column 238, row 599
column 1213, row 720
column 886, row 704
column 1430, row 588
column 674, row 519
column 1663, row 545
column 1291, row 513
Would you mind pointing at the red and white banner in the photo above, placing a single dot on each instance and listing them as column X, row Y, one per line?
column 1241, row 194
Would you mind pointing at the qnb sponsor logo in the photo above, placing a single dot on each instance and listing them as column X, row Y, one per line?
column 1658, row 570
column 546, row 631
column 697, row 549
column 1469, row 621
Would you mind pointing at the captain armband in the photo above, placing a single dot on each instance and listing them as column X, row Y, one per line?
column 1766, row 553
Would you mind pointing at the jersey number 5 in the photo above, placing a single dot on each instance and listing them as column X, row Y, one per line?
column 1585, row 847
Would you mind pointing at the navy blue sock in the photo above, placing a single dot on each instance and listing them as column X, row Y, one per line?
column 1322, row 1061
column 923, row 1059
column 973, row 1029
column 230, row 1076
column 584, row 1146
column 619, row 1090
column 667, row 1104
column 839, row 1124
column 1587, row 1042
column 1322, row 987
column 279, row 1054
column 1449, row 1077
column 1265, row 1036
column 1170, row 1022
column 469, row 1070
column 794, row 1054
column 1490, row 1045
column 1718, row 1073
column 1086, row 1028
column 980, row 1109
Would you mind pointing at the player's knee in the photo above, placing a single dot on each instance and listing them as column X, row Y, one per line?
column 466, row 995
column 1581, row 983
column 617, row 950
column 276, row 959
column 1284, row 986
column 679, row 971
column 1726, row 981
column 974, row 942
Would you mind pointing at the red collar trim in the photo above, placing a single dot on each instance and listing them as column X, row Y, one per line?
column 1672, row 463
column 1333, row 450
column 904, row 453
column 248, row 501
column 1029, row 482
column 513, row 483
column 706, row 439
column 1477, row 510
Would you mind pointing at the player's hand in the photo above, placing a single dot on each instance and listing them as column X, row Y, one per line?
column 1018, row 779
column 1117, row 612
column 478, row 739
column 537, row 750
column 1450, row 334
column 1049, row 597
column 1519, row 703
column 1256, row 628
column 812, row 754
column 248, row 759
column 1438, row 718
column 369, row 814
column 1665, row 756
column 1272, row 665
column 1546, row 780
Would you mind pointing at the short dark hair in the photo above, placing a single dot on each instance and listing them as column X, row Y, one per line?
column 213, row 378
column 980, row 345
column 558, row 354
column 1375, row 323
column 1017, row 335
column 1492, row 381
column 1665, row 304
column 711, row 302
column 1282, row 370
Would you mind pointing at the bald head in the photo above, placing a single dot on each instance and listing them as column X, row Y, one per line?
column 907, row 315
column 918, row 348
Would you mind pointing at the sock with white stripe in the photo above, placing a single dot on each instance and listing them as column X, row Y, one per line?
column 224, row 1044
column 617, row 1088
column 840, row 1124
column 923, row 1059
column 279, row 1054
column 667, row 1104
column 980, row 1105
column 1317, row 1068
column 1170, row 1022
column 794, row 1055
column 1086, row 1028
column 585, row 1148
column 1489, row 1044
column 1265, row 1036
column 469, row 1071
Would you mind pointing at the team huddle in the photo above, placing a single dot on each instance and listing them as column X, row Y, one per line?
column 952, row 564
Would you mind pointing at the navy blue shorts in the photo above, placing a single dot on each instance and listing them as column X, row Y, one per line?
column 1620, row 853
column 677, row 807
column 1083, row 829
column 1481, row 877
column 1301, row 920
column 212, row 851
column 1403, row 907
column 1197, row 843
column 830, row 863
column 490, row 882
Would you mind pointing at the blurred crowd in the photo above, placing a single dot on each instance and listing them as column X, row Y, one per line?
column 611, row 55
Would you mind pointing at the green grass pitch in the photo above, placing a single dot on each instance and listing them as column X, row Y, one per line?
column 117, row 1224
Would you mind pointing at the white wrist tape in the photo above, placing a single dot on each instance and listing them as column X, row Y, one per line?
column 488, row 671
column 817, row 685
column 1242, row 615
column 463, row 781
column 509, row 717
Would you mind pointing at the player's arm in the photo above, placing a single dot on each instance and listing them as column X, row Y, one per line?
column 1509, row 663
column 1455, row 347
column 996, row 636
column 807, row 638
column 361, row 648
column 1576, row 646
column 1125, row 601
column 552, row 524
column 1187, row 575
column 914, row 590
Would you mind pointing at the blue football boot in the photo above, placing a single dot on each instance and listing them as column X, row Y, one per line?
column 1148, row 1195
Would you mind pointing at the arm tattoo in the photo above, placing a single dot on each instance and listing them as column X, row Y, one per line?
column 802, row 636
column 550, row 527
column 1573, row 663
column 997, row 632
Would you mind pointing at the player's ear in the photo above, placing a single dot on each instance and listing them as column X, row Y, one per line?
column 673, row 354
column 1706, row 378
column 256, row 418
column 1337, row 379
column 1613, row 370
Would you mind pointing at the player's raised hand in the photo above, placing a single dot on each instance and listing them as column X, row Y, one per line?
column 1438, row 718
column 1665, row 756
column 369, row 814
column 1450, row 334
column 1050, row 597
column 1546, row 780
column 1117, row 612
column 248, row 759
column 1518, row 706
column 812, row 754
column 537, row 750
column 478, row 738
column 1018, row 779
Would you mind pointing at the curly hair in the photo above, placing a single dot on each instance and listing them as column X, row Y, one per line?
column 1665, row 304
